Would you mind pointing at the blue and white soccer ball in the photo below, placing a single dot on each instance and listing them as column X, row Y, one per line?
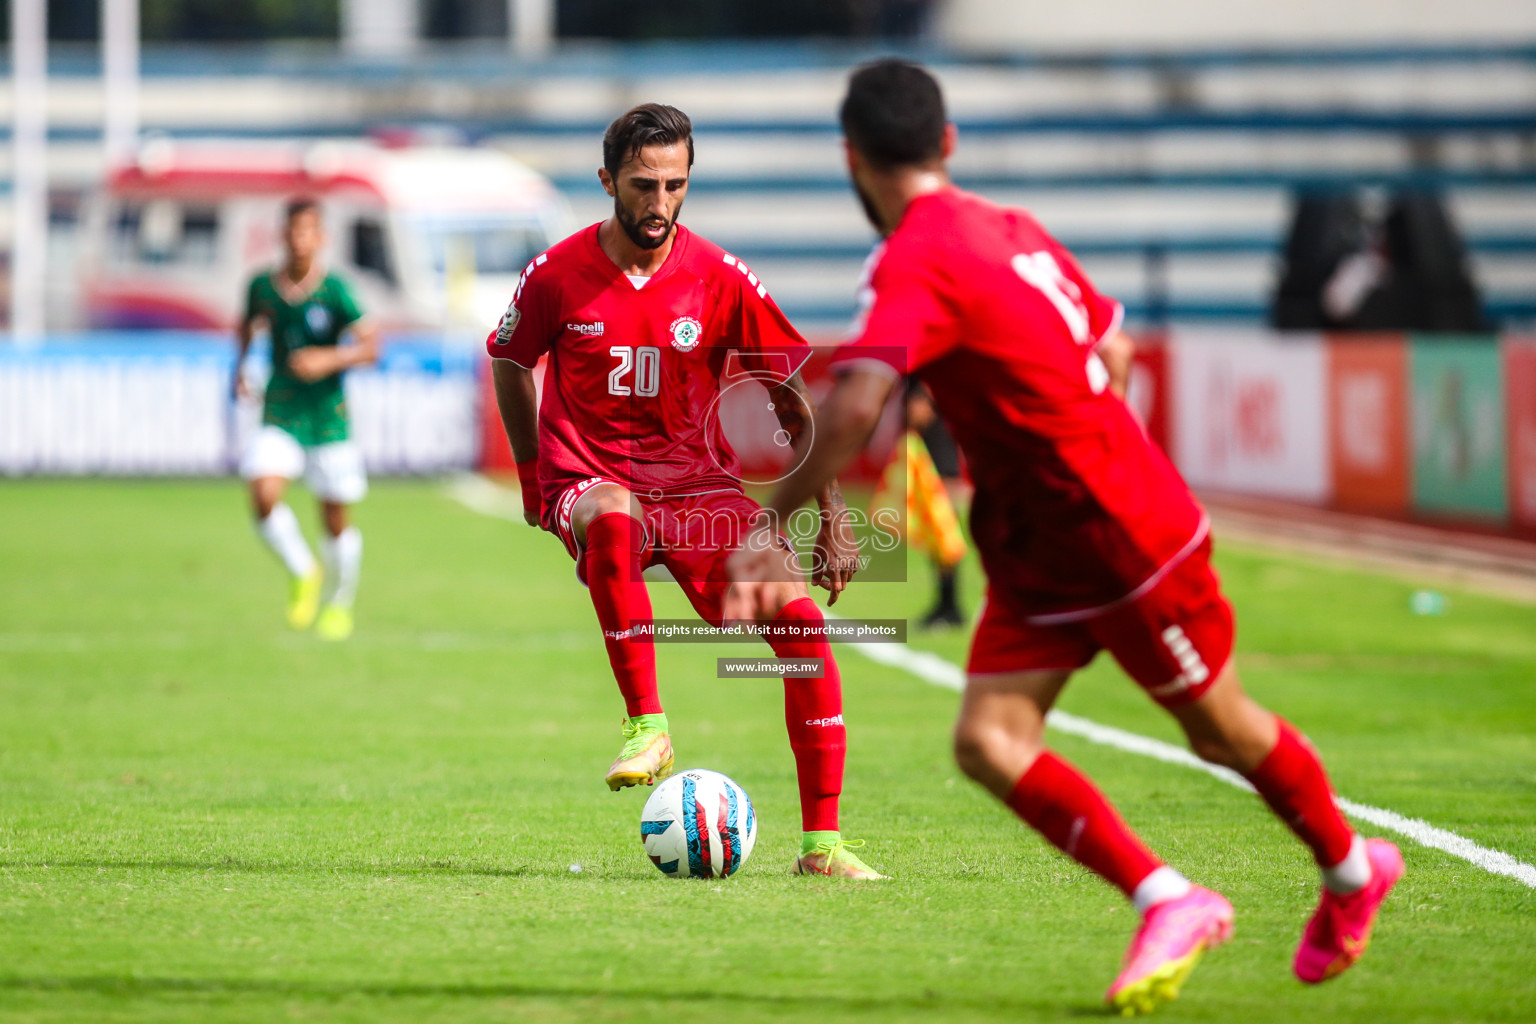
column 698, row 824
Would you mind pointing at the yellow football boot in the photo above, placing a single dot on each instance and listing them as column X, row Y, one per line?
column 646, row 756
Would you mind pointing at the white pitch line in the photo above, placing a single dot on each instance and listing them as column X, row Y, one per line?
column 935, row 670
column 478, row 494
column 482, row 496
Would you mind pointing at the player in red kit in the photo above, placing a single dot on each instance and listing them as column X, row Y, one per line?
column 627, row 464
column 1089, row 537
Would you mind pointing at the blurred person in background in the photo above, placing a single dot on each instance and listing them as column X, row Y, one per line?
column 928, row 516
column 309, row 313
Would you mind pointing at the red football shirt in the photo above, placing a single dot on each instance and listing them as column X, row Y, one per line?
column 1075, row 508
column 633, row 376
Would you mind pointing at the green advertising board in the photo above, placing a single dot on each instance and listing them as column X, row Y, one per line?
column 1459, row 465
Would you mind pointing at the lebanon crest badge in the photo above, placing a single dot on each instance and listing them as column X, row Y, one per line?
column 686, row 332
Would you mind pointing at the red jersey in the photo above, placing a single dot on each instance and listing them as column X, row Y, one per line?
column 1076, row 509
column 634, row 372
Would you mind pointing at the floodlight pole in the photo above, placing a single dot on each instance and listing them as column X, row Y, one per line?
column 533, row 26
column 29, row 185
column 120, row 79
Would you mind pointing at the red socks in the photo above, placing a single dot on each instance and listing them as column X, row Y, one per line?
column 1292, row 781
column 813, row 711
column 1062, row 805
column 615, row 556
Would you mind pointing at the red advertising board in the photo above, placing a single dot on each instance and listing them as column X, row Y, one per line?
column 1368, row 423
column 1147, row 394
column 1520, row 401
column 1247, row 413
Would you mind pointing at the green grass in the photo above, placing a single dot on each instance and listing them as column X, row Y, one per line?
column 204, row 817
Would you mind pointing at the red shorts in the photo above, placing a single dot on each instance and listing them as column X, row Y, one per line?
column 1174, row 640
column 693, row 537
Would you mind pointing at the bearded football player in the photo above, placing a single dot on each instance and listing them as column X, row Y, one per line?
column 1089, row 537
column 625, row 461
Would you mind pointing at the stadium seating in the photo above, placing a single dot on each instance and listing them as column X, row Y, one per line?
column 1171, row 174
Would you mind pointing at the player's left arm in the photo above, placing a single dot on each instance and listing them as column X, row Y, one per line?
column 836, row 557
column 1117, row 351
column 320, row 361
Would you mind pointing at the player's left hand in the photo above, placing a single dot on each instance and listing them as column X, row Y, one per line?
column 765, row 577
column 836, row 556
column 311, row 364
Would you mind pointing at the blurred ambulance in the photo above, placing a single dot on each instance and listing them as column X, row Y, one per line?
column 432, row 238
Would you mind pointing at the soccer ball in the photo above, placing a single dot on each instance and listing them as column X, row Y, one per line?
column 698, row 824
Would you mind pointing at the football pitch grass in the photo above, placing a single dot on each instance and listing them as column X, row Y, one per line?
column 205, row 817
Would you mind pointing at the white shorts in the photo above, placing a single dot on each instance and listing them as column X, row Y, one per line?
column 334, row 471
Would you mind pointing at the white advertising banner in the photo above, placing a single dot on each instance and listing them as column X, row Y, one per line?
column 1249, row 413
column 126, row 409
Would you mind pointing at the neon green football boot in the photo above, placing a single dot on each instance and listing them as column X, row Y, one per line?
column 304, row 598
column 334, row 623
column 646, row 756
column 828, row 854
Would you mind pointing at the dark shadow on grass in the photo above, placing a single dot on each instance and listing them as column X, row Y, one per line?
column 259, row 867
column 118, row 985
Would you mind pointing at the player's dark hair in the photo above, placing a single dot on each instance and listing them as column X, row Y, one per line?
column 893, row 114
column 298, row 205
column 649, row 124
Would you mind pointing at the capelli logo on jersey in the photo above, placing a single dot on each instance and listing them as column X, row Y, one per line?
column 592, row 330
column 686, row 332
column 834, row 720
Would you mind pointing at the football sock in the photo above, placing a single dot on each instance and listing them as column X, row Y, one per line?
column 1062, row 805
column 615, row 558
column 343, row 556
column 948, row 601
column 1292, row 782
column 813, row 712
column 280, row 530
column 808, row 840
column 1160, row 886
column 1352, row 873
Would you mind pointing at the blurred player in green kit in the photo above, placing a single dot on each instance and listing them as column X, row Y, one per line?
column 304, row 425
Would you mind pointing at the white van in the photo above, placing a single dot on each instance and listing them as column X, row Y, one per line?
column 432, row 238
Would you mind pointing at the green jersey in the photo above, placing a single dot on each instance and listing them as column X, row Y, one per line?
column 314, row 412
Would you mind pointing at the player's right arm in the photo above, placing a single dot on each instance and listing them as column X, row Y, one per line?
column 245, row 331
column 518, row 401
column 524, row 334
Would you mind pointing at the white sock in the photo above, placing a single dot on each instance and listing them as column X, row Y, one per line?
column 343, row 562
column 280, row 530
column 1160, row 886
column 1350, row 874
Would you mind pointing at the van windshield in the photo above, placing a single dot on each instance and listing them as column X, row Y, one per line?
column 481, row 246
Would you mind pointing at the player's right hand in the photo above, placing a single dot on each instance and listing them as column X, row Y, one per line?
column 836, row 552
column 533, row 498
